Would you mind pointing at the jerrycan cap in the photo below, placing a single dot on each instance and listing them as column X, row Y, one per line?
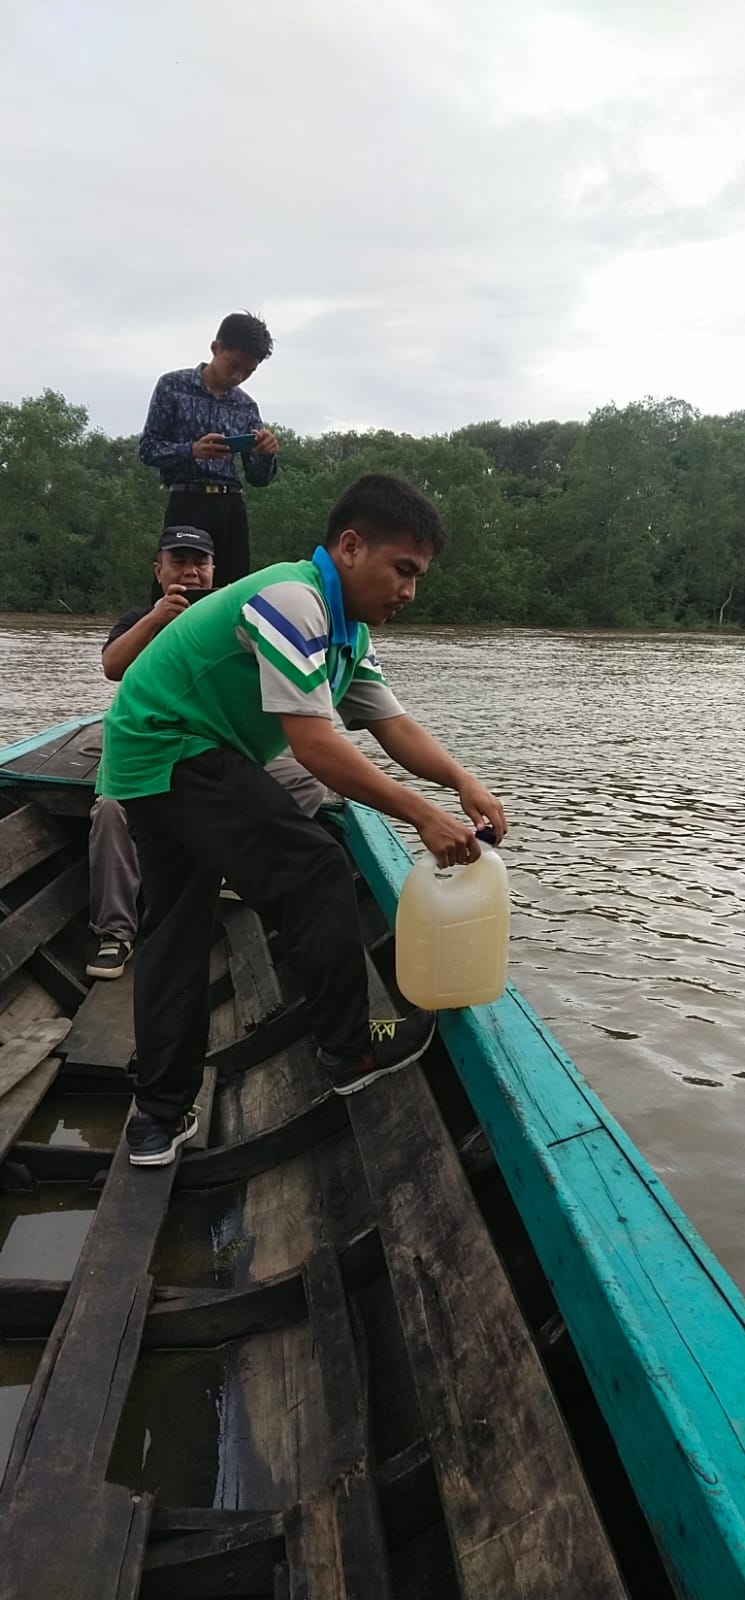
column 486, row 835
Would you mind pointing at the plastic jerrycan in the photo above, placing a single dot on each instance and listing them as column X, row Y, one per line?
column 452, row 931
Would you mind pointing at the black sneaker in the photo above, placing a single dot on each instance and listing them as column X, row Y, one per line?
column 112, row 958
column 153, row 1143
column 394, row 1043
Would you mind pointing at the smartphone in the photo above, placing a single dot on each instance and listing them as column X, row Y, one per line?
column 195, row 594
column 240, row 442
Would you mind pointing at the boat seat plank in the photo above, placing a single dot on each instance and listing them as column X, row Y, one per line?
column 27, row 836
column 29, row 927
column 488, row 1412
column 102, row 1034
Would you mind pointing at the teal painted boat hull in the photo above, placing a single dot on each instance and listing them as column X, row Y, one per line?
column 658, row 1324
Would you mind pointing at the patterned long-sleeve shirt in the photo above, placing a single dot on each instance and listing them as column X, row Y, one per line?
column 183, row 410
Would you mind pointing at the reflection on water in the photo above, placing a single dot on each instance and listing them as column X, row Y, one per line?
column 619, row 759
column 171, row 1439
column 18, row 1363
column 42, row 1232
column 91, row 1122
column 201, row 1239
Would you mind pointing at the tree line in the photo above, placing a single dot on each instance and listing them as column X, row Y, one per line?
column 635, row 518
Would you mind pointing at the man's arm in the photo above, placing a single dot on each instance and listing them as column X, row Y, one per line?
column 408, row 743
column 341, row 766
column 155, row 446
column 260, row 464
column 121, row 652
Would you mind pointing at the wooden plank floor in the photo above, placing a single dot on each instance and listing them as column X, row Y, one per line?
column 391, row 1426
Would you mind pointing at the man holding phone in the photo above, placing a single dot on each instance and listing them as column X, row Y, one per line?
column 199, row 422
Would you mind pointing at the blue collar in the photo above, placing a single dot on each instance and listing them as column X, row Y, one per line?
column 343, row 632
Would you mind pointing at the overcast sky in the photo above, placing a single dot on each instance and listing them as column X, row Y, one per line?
column 523, row 211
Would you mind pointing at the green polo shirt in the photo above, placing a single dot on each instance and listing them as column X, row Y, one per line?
column 224, row 671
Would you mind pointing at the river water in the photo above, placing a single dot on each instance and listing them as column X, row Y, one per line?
column 619, row 759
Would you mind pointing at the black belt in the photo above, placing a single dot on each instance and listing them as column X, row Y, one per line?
column 204, row 488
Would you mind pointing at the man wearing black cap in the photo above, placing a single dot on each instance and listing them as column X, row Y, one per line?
column 184, row 569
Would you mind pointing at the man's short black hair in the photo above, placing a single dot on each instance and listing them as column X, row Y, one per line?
column 241, row 331
column 380, row 506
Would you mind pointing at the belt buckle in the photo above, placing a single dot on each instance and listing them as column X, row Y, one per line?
column 213, row 488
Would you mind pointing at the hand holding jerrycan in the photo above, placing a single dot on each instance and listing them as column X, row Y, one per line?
column 452, row 931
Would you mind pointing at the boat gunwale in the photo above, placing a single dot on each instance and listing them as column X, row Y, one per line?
column 673, row 1467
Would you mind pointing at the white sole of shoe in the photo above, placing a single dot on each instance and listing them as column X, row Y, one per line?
column 164, row 1158
column 385, row 1072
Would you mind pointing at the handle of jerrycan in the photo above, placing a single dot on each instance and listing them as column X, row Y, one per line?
column 486, row 835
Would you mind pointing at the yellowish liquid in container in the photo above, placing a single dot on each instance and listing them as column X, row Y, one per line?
column 452, row 933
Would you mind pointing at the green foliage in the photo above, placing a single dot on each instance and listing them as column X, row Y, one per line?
column 633, row 519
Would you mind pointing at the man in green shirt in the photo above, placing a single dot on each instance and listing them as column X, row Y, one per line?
column 226, row 687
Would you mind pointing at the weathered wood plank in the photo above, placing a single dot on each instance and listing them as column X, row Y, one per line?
column 29, row 1307
column 19, row 1104
column 21, row 1054
column 36, row 752
column 257, row 991
column 25, row 930
column 233, row 1163
column 488, row 1412
column 102, row 1033
column 200, row 1565
column 334, row 1536
column 192, row 1317
column 54, row 1494
column 59, row 1163
column 274, row 1033
column 68, row 755
column 27, row 837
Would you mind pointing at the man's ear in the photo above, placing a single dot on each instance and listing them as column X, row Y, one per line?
column 348, row 545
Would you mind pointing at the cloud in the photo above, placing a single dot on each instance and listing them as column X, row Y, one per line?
column 441, row 219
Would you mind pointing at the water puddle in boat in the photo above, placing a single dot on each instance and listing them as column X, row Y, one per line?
column 174, row 1436
column 18, row 1363
column 93, row 1122
column 42, row 1231
column 202, row 1243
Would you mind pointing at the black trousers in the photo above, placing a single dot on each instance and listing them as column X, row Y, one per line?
column 224, row 517
column 226, row 816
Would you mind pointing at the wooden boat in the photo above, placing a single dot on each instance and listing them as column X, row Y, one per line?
column 448, row 1337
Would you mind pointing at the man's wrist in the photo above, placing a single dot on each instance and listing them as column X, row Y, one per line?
column 416, row 808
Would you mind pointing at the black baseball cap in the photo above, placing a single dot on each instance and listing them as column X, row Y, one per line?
column 185, row 538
